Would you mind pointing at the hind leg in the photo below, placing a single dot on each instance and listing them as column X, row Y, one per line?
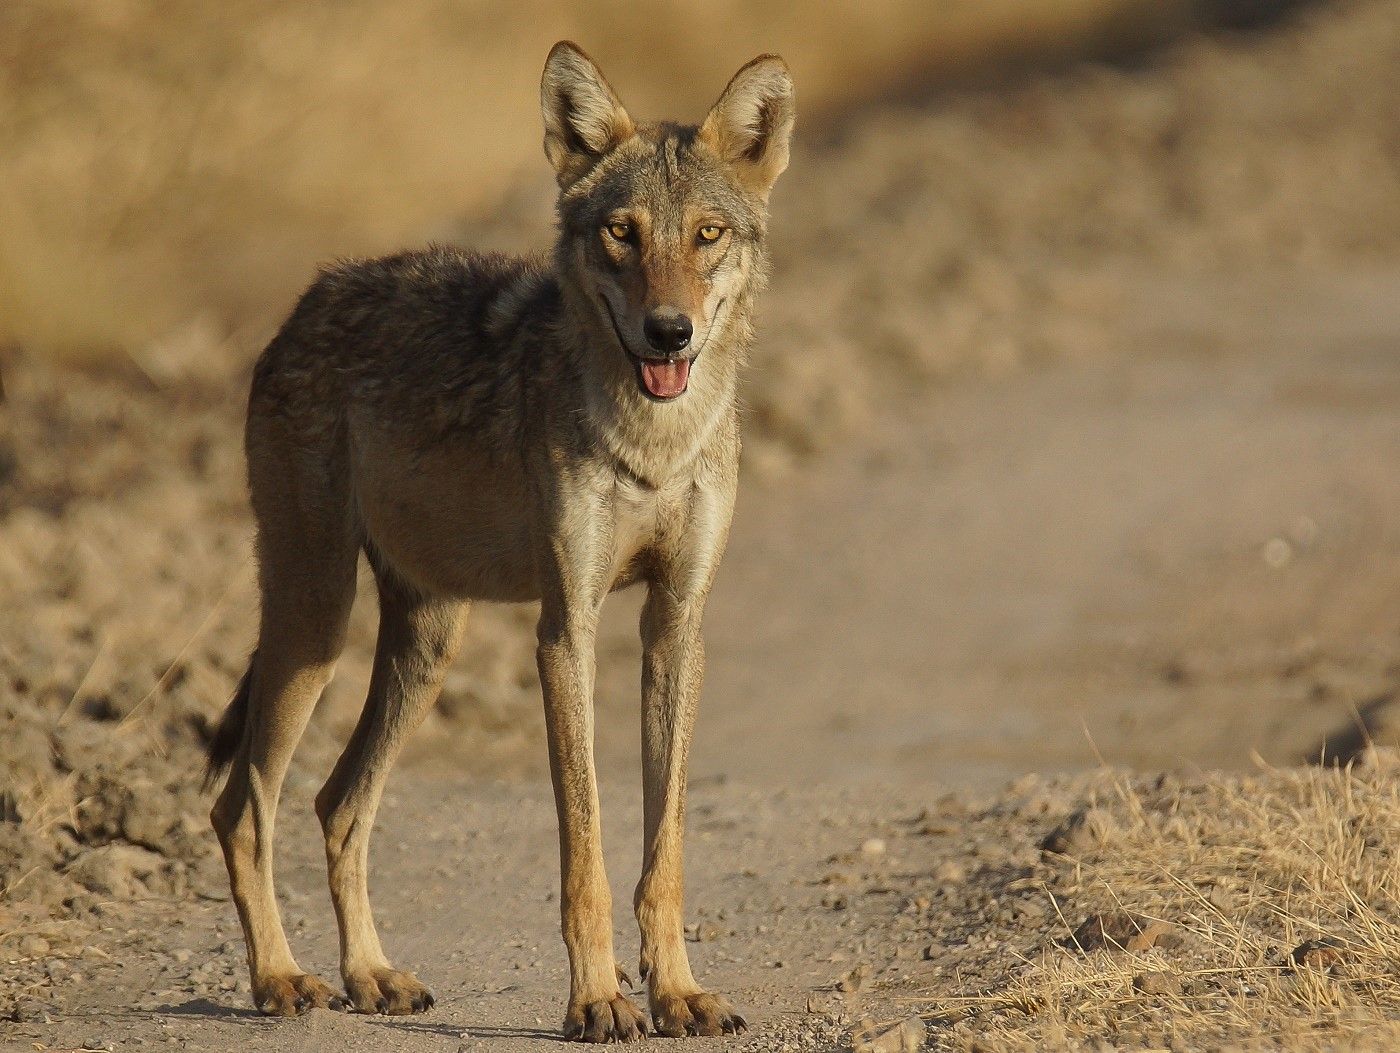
column 294, row 662
column 308, row 556
column 418, row 639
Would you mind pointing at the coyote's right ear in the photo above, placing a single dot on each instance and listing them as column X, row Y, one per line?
column 583, row 119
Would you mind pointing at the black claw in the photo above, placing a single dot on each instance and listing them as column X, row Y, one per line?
column 302, row 1004
column 336, row 1004
column 381, row 1006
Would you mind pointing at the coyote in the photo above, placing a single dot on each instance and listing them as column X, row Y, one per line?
column 500, row 429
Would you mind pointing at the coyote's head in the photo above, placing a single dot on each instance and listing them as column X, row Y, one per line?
column 662, row 226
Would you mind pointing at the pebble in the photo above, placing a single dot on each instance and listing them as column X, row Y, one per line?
column 33, row 947
column 1030, row 911
column 950, row 873
column 1118, row 930
column 701, row 932
column 905, row 1037
column 1158, row 982
column 1081, row 833
column 854, row 980
column 1324, row 953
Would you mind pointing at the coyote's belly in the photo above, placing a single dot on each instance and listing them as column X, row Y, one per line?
column 456, row 524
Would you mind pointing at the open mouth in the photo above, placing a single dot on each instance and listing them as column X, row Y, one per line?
column 659, row 379
column 662, row 379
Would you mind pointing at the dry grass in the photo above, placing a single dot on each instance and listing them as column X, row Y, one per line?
column 1244, row 870
column 180, row 167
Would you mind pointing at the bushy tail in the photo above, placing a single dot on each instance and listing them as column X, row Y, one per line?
column 229, row 734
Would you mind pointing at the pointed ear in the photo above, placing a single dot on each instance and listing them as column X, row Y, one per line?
column 751, row 124
column 582, row 118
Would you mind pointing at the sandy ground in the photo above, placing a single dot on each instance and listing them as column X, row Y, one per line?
column 1097, row 463
column 823, row 912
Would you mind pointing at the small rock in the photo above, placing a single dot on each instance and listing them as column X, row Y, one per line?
column 1158, row 982
column 854, row 980
column 1277, row 552
column 182, row 955
column 834, row 901
column 930, row 952
column 1221, row 898
column 950, row 873
column 1325, row 953
column 873, row 846
column 1029, row 911
column 101, row 1045
column 26, row 1012
column 905, row 1037
column 118, row 870
column 33, row 947
column 700, row 932
column 818, row 1003
column 1118, row 930
column 1084, row 831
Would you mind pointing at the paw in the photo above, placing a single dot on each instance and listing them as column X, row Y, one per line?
column 614, row 1020
column 676, row 1016
column 294, row 995
column 389, row 992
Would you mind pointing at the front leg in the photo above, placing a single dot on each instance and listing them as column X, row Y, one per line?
column 672, row 669
column 598, row 1011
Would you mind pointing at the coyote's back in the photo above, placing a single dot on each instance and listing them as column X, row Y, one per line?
column 438, row 339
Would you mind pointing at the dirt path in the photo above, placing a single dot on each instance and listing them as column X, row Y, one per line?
column 466, row 891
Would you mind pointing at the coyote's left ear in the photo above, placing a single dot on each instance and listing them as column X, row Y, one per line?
column 583, row 118
column 751, row 124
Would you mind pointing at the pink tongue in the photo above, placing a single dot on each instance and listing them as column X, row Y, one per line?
column 666, row 380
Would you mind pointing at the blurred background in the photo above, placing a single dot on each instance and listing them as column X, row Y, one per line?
column 1072, row 435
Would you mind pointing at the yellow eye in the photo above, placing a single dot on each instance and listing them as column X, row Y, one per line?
column 710, row 232
column 620, row 231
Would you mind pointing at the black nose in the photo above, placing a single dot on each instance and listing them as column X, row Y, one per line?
column 668, row 333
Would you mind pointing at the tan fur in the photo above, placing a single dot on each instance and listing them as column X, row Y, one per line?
column 478, row 426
